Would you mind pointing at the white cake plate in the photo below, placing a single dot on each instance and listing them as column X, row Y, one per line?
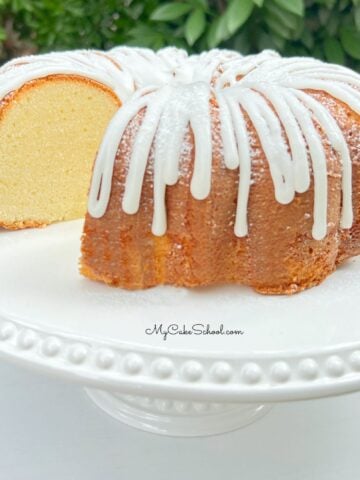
column 271, row 349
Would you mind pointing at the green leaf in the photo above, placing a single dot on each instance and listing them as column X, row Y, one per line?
column 266, row 41
column 143, row 36
column 242, row 42
column 201, row 3
column 237, row 13
column 357, row 18
column 258, row 3
column 307, row 39
column 343, row 4
column 217, row 32
column 170, row 11
column 333, row 25
column 289, row 20
column 329, row 3
column 279, row 42
column 278, row 28
column 334, row 52
column 350, row 40
column 195, row 26
column 293, row 6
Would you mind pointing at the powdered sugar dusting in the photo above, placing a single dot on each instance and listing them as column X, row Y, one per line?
column 294, row 129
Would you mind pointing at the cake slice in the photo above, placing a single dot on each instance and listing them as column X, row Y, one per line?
column 53, row 114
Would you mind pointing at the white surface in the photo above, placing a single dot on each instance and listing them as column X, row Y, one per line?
column 50, row 430
column 40, row 284
column 302, row 346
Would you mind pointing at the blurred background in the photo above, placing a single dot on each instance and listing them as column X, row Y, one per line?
column 326, row 29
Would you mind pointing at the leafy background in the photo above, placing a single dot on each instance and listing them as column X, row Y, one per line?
column 328, row 29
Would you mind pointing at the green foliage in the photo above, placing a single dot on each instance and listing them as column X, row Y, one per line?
column 195, row 26
column 328, row 29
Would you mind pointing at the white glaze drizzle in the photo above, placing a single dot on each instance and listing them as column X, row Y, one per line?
column 174, row 91
column 89, row 64
column 271, row 92
column 163, row 105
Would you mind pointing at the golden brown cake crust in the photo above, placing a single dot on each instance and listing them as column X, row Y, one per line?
column 22, row 225
column 279, row 255
column 7, row 101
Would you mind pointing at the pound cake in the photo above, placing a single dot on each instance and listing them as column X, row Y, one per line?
column 209, row 169
column 53, row 113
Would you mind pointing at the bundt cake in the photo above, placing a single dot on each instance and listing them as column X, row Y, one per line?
column 216, row 168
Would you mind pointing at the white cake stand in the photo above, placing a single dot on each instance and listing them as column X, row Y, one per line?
column 288, row 348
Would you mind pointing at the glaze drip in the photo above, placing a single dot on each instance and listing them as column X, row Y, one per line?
column 175, row 91
column 273, row 93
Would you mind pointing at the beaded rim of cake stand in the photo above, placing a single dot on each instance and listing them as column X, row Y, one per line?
column 267, row 377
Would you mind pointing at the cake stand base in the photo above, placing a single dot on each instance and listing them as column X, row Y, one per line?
column 176, row 417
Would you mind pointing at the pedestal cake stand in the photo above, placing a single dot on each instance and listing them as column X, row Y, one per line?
column 169, row 360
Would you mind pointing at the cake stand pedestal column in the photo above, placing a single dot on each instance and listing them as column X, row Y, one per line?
column 176, row 417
